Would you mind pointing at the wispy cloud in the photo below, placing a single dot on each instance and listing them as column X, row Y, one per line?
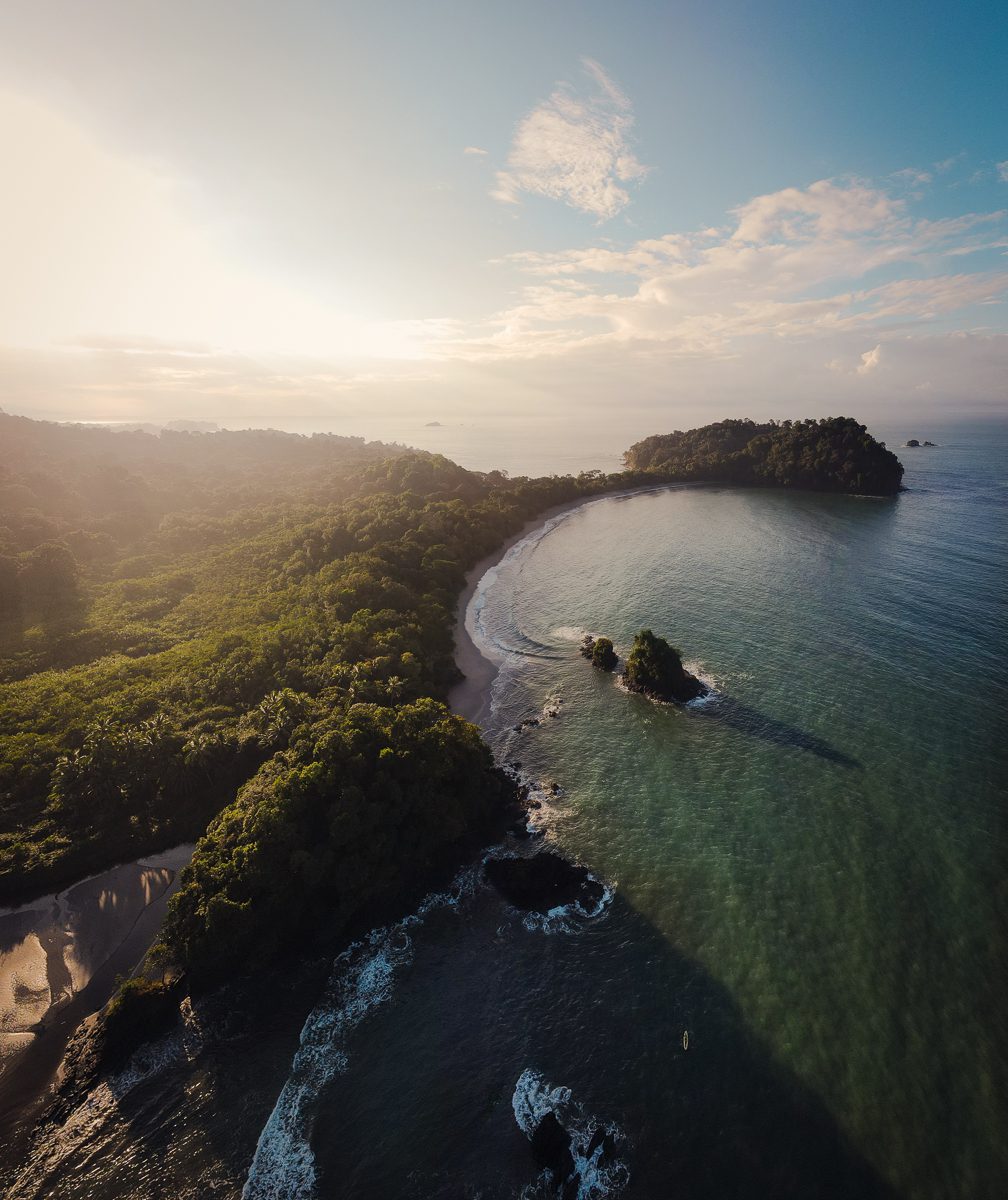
column 825, row 261
column 1002, row 170
column 477, row 150
column 575, row 147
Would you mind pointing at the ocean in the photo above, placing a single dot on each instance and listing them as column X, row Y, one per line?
column 794, row 984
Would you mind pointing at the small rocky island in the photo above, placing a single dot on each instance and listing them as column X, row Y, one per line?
column 915, row 444
column 543, row 882
column 599, row 652
column 653, row 667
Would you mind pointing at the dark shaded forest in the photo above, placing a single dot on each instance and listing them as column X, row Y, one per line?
column 249, row 636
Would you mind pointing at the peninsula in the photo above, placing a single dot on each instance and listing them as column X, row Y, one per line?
column 246, row 638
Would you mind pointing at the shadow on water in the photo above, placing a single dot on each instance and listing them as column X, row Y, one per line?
column 754, row 723
column 424, row 1109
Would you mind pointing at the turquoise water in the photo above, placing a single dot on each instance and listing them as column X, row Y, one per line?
column 828, row 838
column 809, row 871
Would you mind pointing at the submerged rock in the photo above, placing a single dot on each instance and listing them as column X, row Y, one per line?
column 577, row 1155
column 543, row 882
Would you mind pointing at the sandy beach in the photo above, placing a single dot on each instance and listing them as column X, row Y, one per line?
column 470, row 698
column 59, row 959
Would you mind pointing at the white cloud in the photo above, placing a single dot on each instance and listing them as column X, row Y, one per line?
column 575, row 147
column 821, row 262
column 825, row 208
column 477, row 150
column 1002, row 170
column 870, row 360
column 912, row 176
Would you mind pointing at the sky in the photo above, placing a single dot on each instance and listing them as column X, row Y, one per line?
column 637, row 216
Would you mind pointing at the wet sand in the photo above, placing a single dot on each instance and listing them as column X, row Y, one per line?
column 60, row 956
column 470, row 698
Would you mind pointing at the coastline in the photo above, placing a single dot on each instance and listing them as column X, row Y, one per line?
column 470, row 697
column 80, row 941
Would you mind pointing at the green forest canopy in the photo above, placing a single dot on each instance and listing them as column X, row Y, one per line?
column 834, row 454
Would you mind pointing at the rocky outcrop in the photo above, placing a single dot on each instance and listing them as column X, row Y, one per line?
column 599, row 652
column 543, row 882
column 576, row 1154
column 655, row 668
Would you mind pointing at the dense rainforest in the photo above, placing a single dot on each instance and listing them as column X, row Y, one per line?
column 834, row 454
column 248, row 636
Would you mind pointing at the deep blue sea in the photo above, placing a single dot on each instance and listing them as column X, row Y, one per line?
column 796, row 985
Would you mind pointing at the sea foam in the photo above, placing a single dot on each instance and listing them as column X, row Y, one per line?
column 598, row 1175
column 362, row 979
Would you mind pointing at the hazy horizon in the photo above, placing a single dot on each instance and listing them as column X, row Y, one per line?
column 328, row 215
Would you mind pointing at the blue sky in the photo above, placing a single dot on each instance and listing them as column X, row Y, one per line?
column 314, row 212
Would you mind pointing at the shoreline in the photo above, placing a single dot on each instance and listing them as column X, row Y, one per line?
column 470, row 697
column 80, row 950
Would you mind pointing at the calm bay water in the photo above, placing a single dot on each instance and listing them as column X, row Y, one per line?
column 808, row 882
column 810, row 871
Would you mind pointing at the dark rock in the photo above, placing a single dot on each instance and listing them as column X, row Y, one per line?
column 555, row 789
column 542, row 882
column 551, row 1147
column 602, row 1137
column 911, row 443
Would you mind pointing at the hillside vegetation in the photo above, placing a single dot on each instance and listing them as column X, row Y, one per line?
column 269, row 640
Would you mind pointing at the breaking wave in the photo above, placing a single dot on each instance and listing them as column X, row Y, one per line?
column 362, row 978
column 597, row 1148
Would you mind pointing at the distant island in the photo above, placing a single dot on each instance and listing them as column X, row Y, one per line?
column 914, row 444
column 653, row 667
column 834, row 454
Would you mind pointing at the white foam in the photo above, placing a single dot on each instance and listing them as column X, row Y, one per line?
column 570, row 918
column 363, row 977
column 572, row 633
column 534, row 1097
column 713, row 693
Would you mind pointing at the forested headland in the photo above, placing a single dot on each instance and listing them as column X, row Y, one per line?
column 834, row 454
column 249, row 636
